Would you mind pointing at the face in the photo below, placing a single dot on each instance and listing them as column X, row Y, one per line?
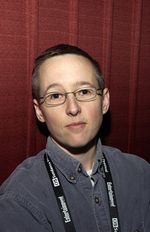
column 73, row 124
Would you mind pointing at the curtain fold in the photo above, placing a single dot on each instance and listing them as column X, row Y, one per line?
column 107, row 40
column 136, row 23
column 32, row 18
column 73, row 22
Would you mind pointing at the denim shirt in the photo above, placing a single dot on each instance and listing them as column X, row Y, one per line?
column 28, row 202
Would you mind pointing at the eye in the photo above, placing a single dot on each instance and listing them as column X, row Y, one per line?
column 54, row 96
column 85, row 92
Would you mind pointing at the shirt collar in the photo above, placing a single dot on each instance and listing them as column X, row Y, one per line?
column 69, row 166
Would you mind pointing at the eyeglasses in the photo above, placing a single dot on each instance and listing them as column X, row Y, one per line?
column 57, row 98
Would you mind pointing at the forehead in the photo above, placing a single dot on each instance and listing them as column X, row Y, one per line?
column 66, row 70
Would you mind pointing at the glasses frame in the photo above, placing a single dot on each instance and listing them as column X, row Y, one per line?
column 74, row 93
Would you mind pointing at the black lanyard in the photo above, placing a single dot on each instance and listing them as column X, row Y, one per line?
column 114, row 216
column 59, row 193
column 61, row 199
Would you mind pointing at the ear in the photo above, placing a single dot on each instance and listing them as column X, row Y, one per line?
column 38, row 111
column 106, row 101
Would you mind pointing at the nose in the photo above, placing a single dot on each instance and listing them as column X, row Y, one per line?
column 72, row 105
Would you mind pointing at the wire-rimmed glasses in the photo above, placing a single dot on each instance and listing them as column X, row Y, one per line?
column 56, row 98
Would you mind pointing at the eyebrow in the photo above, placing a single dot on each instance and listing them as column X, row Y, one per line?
column 51, row 86
column 59, row 85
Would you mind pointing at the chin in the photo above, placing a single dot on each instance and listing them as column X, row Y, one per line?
column 78, row 147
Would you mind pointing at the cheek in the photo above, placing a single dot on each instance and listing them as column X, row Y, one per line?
column 96, row 116
column 53, row 122
column 95, row 111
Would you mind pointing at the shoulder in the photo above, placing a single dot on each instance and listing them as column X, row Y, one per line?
column 131, row 178
column 25, row 174
column 22, row 192
column 124, row 162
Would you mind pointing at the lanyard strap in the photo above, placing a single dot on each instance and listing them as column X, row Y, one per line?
column 61, row 199
column 59, row 193
column 114, row 216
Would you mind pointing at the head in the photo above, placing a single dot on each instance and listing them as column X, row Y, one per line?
column 71, row 80
column 58, row 50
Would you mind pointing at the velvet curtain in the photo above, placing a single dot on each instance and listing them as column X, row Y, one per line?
column 115, row 32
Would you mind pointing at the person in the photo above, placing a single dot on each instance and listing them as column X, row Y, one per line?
column 75, row 183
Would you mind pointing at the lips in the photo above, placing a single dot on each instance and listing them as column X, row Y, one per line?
column 76, row 125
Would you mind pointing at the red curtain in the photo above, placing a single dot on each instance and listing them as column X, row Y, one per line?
column 115, row 32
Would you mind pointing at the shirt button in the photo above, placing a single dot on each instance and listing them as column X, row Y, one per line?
column 97, row 200
column 72, row 178
column 79, row 169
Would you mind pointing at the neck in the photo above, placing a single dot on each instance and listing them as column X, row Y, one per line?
column 87, row 159
column 85, row 155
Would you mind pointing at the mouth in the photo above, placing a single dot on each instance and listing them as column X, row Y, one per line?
column 76, row 125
